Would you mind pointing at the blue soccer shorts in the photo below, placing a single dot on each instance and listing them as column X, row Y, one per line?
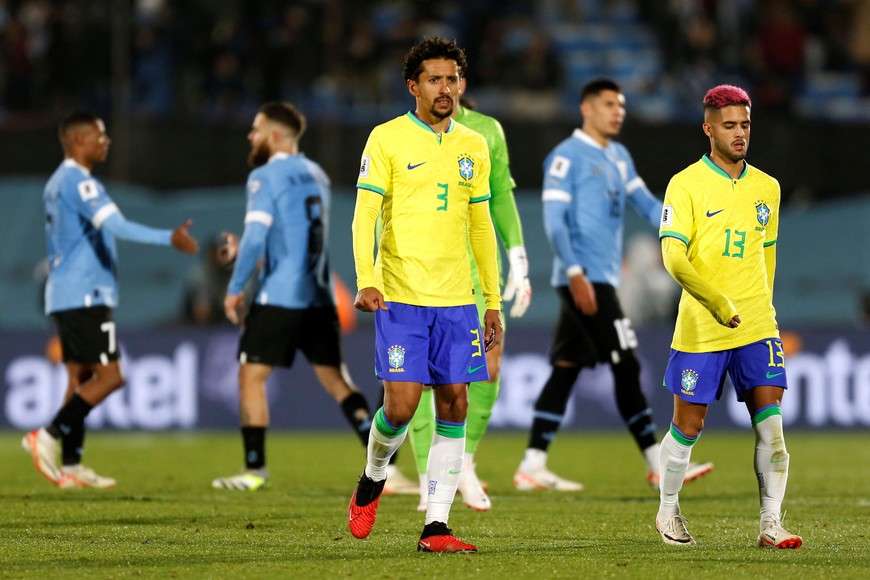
column 430, row 345
column 699, row 377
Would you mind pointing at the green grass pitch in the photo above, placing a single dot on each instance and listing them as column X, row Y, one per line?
column 164, row 520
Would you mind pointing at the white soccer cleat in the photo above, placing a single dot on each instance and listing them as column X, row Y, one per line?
column 247, row 480
column 398, row 484
column 773, row 535
column 80, row 476
column 472, row 491
column 543, row 478
column 673, row 531
column 693, row 472
column 43, row 449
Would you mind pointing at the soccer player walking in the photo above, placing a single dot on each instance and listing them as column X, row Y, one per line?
column 718, row 230
column 82, row 224
column 286, row 225
column 588, row 179
column 482, row 395
column 429, row 178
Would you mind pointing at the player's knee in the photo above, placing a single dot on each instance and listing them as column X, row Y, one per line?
column 398, row 414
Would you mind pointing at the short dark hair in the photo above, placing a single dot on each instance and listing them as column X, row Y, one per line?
column 75, row 119
column 595, row 88
column 433, row 47
column 724, row 96
column 285, row 114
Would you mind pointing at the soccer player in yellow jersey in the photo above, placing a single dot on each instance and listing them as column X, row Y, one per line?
column 718, row 230
column 428, row 178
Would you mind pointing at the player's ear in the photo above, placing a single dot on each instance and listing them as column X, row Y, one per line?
column 708, row 130
column 461, row 86
column 412, row 88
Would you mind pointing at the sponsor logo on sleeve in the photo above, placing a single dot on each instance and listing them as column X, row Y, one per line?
column 668, row 215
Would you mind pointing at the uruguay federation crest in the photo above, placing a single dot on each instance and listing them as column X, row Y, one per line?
column 688, row 382
column 396, row 358
column 466, row 168
column 762, row 212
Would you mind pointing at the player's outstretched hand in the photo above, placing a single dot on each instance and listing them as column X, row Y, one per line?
column 233, row 303
column 583, row 294
column 183, row 241
column 492, row 329
column 369, row 300
column 228, row 251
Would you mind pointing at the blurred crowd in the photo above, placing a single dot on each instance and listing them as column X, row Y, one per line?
column 342, row 59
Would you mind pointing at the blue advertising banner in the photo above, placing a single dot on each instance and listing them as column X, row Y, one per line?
column 186, row 378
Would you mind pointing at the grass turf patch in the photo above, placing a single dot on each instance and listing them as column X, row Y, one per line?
column 164, row 520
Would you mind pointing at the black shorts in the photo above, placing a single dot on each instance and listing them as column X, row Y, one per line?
column 87, row 335
column 587, row 340
column 272, row 335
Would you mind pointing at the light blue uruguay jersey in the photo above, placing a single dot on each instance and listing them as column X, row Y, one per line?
column 81, row 254
column 286, row 224
column 585, row 190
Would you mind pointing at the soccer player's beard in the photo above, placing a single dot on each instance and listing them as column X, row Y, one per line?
column 730, row 154
column 258, row 156
column 438, row 114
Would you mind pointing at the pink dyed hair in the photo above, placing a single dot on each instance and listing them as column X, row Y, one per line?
column 725, row 95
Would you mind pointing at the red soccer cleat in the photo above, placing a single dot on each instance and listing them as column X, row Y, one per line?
column 363, row 508
column 437, row 537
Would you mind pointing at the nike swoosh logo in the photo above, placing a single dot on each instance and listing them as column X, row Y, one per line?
column 712, row 213
column 454, row 472
column 773, row 375
column 426, row 545
column 472, row 370
column 410, row 167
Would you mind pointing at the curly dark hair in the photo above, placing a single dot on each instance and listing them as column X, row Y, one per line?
column 433, row 47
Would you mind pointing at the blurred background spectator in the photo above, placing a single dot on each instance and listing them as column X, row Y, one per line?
column 217, row 60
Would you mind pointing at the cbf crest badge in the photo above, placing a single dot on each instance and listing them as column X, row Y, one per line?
column 762, row 212
column 466, row 168
column 396, row 358
column 688, row 382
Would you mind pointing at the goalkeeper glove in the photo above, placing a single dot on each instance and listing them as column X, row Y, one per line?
column 518, row 282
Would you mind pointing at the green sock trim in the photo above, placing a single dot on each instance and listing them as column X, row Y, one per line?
column 451, row 430
column 682, row 439
column 766, row 412
column 384, row 428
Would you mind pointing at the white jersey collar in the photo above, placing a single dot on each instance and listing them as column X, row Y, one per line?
column 69, row 162
column 278, row 156
column 579, row 134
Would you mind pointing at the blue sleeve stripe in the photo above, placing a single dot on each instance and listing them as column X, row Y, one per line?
column 371, row 188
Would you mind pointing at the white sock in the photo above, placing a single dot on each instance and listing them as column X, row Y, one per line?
column 652, row 455
column 771, row 466
column 533, row 460
column 445, row 466
column 673, row 462
column 379, row 451
column 424, row 486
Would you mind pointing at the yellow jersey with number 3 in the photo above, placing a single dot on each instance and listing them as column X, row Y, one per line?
column 726, row 225
column 427, row 180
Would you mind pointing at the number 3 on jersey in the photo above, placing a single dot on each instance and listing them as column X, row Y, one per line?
column 442, row 196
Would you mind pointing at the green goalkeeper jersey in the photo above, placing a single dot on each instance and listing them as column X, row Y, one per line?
column 502, row 205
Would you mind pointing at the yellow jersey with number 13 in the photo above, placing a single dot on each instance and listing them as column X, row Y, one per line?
column 726, row 225
column 427, row 180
